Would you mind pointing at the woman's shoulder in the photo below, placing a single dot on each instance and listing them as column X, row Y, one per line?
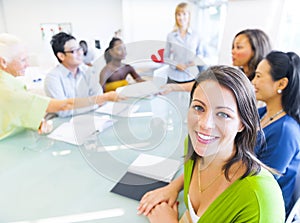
column 286, row 125
column 265, row 193
column 171, row 35
column 261, row 185
column 127, row 66
column 106, row 68
column 290, row 122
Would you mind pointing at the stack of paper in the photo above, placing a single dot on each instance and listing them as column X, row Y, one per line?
column 118, row 109
column 79, row 128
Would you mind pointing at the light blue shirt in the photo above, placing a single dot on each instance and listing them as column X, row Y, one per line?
column 180, row 50
column 61, row 84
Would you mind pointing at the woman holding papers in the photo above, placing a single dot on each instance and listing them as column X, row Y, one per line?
column 183, row 48
column 222, row 180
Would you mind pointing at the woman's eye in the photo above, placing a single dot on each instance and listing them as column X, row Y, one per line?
column 223, row 115
column 198, row 108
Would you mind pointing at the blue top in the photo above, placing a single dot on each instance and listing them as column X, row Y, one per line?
column 61, row 84
column 185, row 50
column 282, row 153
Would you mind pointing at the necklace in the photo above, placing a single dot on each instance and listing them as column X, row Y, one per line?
column 272, row 117
column 201, row 190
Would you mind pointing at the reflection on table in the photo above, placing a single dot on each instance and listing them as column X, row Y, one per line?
column 52, row 181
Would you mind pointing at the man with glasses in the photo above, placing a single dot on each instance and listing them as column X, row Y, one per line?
column 20, row 109
column 71, row 78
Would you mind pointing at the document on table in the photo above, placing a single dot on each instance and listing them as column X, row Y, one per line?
column 79, row 128
column 147, row 172
column 118, row 109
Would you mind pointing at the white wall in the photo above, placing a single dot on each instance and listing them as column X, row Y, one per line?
column 139, row 20
column 2, row 18
column 91, row 19
column 149, row 20
column 243, row 14
column 146, row 25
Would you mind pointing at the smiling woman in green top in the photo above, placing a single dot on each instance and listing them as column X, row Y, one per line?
column 222, row 180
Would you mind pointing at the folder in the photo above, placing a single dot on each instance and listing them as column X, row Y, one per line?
column 146, row 173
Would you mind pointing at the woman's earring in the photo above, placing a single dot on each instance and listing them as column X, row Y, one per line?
column 279, row 91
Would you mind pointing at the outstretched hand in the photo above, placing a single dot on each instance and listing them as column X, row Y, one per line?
column 114, row 96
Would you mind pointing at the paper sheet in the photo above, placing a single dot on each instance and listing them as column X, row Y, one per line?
column 118, row 109
column 79, row 128
column 156, row 167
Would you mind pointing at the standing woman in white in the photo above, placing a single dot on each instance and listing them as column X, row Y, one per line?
column 182, row 48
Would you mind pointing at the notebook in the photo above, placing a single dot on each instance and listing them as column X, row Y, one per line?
column 146, row 173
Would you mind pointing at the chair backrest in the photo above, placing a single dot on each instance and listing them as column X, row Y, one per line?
column 159, row 59
column 296, row 193
column 294, row 215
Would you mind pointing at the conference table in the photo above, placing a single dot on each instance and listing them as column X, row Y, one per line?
column 46, row 180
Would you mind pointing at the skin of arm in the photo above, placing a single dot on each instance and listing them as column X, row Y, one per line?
column 167, row 194
column 104, row 74
column 182, row 67
column 134, row 74
column 74, row 103
column 168, row 88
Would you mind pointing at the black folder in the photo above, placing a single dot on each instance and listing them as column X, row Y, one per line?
column 134, row 186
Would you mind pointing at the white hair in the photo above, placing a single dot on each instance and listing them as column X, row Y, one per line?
column 9, row 46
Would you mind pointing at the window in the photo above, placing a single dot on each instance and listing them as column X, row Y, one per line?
column 210, row 18
column 289, row 32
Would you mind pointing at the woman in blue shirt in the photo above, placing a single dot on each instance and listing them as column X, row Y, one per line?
column 277, row 83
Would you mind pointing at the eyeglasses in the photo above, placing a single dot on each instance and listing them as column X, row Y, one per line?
column 74, row 51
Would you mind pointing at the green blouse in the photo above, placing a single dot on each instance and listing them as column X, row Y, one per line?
column 252, row 199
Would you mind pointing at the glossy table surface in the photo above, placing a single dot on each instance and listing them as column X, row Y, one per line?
column 43, row 180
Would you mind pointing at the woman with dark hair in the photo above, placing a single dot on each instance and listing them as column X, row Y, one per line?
column 222, row 180
column 249, row 47
column 277, row 83
column 114, row 74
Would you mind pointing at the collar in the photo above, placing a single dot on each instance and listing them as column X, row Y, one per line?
column 67, row 73
column 189, row 31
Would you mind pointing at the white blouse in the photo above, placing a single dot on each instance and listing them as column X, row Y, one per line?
column 195, row 218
